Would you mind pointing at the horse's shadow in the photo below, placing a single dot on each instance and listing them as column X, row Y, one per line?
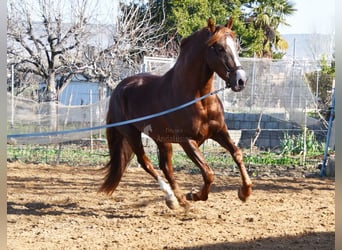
column 41, row 209
column 321, row 240
column 279, row 184
column 72, row 208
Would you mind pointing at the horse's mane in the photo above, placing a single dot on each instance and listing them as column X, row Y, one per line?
column 220, row 31
column 198, row 35
column 196, row 43
column 205, row 33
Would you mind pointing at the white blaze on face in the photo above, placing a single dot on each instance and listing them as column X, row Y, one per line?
column 231, row 45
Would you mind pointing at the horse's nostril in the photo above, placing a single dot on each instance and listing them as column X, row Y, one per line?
column 241, row 78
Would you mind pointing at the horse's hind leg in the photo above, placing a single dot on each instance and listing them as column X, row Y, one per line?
column 191, row 149
column 165, row 164
column 225, row 141
column 134, row 139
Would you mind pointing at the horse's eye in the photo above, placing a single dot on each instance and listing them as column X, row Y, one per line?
column 220, row 48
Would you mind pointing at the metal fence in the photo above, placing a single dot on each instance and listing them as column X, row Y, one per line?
column 276, row 100
column 273, row 85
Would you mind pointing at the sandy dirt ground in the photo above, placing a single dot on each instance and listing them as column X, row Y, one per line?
column 58, row 207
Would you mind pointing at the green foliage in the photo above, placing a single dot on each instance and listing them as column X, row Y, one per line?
column 323, row 80
column 294, row 144
column 78, row 155
column 72, row 155
column 278, row 55
column 269, row 158
column 192, row 15
column 255, row 22
column 265, row 16
column 328, row 69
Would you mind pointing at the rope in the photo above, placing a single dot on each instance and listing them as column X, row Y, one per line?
column 116, row 124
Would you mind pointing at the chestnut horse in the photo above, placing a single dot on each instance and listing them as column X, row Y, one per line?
column 210, row 50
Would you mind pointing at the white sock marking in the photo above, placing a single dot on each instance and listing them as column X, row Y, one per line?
column 167, row 190
column 164, row 186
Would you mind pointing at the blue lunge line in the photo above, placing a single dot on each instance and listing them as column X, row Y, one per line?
column 116, row 124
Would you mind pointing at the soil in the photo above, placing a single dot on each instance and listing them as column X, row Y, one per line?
column 58, row 207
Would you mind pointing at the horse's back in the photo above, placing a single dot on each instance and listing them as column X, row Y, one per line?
column 136, row 82
column 134, row 96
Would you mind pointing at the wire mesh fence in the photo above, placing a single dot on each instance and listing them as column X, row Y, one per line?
column 276, row 101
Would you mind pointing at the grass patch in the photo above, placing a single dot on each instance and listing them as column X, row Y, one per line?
column 80, row 153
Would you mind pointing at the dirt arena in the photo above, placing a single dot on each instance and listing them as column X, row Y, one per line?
column 58, row 207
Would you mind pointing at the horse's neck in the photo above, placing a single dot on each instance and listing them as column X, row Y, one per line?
column 192, row 77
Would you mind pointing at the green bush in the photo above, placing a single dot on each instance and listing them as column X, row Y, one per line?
column 294, row 144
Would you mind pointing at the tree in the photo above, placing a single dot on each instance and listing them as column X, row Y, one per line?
column 52, row 41
column 251, row 39
column 322, row 82
column 255, row 21
column 183, row 17
column 266, row 16
column 192, row 15
column 131, row 38
column 44, row 38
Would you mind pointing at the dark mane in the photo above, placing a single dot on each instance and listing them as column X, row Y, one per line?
column 199, row 35
column 195, row 42
column 220, row 31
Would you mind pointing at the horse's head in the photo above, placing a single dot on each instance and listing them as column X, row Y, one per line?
column 222, row 55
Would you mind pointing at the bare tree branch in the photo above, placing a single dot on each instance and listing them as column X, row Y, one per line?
column 62, row 38
column 133, row 37
column 42, row 32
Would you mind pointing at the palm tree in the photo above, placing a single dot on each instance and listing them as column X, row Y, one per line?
column 267, row 15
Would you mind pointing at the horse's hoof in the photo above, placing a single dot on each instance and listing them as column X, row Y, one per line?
column 172, row 202
column 193, row 195
column 189, row 196
column 242, row 196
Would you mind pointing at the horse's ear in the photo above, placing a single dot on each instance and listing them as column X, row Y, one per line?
column 211, row 25
column 229, row 23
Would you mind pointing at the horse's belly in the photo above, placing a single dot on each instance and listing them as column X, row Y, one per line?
column 179, row 130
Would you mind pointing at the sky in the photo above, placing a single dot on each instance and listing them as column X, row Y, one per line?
column 312, row 16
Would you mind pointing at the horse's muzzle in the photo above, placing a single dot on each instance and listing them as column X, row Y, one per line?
column 237, row 80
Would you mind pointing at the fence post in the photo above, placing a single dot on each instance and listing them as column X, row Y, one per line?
column 253, row 81
column 12, row 92
column 304, row 136
column 91, row 118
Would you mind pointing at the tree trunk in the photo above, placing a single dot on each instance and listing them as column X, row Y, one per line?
column 51, row 93
column 52, row 100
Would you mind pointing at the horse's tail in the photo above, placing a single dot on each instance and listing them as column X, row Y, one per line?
column 120, row 155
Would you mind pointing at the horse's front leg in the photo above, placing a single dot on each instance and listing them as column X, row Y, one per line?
column 191, row 149
column 165, row 164
column 224, row 139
